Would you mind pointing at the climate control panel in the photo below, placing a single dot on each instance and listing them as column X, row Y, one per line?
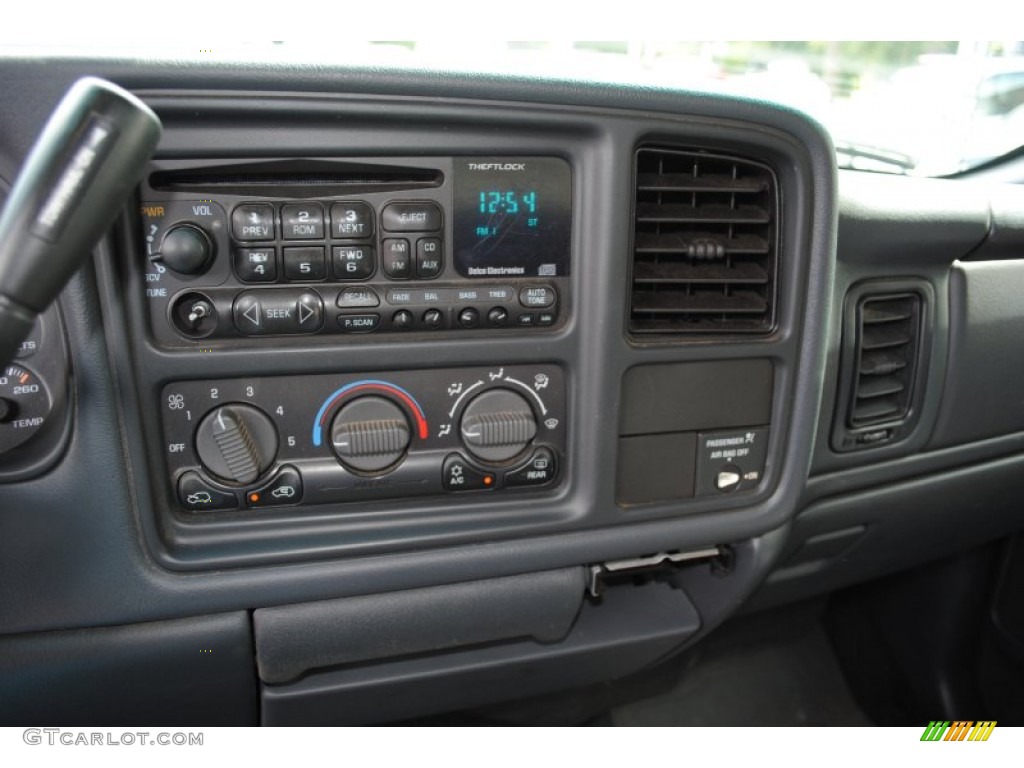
column 283, row 441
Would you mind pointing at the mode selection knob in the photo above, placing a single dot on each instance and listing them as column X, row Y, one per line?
column 186, row 249
column 370, row 434
column 237, row 443
column 497, row 425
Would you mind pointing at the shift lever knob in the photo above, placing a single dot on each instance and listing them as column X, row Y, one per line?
column 81, row 170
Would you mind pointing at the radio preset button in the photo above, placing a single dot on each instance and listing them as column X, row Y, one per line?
column 359, row 323
column 396, row 259
column 256, row 265
column 537, row 297
column 429, row 257
column 357, row 298
column 351, row 220
column 253, row 222
column 302, row 222
column 354, row 262
column 304, row 263
column 411, row 217
column 278, row 312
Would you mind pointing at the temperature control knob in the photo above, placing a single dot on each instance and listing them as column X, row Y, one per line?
column 237, row 443
column 186, row 249
column 497, row 425
column 370, row 434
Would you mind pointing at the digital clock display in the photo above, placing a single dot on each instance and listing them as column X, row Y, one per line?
column 513, row 216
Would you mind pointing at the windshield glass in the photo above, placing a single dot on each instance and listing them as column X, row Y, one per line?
column 927, row 108
column 924, row 108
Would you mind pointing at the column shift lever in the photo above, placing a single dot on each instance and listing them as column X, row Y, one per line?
column 81, row 170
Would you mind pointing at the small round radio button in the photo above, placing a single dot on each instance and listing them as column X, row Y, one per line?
column 433, row 319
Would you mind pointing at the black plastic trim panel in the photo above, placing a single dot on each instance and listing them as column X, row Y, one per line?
column 119, row 565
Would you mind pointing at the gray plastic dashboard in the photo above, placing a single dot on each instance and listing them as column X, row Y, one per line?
column 99, row 540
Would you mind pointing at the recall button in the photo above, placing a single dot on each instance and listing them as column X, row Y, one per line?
column 357, row 298
column 537, row 297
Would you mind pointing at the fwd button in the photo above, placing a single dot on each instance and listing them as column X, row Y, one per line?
column 278, row 312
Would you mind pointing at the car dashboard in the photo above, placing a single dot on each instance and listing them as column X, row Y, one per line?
column 391, row 393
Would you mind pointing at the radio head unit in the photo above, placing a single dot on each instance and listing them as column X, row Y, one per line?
column 250, row 249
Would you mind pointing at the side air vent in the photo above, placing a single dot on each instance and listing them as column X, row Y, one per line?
column 884, row 336
column 887, row 357
column 705, row 244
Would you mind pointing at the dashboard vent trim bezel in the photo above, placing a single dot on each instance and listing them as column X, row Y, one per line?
column 714, row 269
column 871, row 412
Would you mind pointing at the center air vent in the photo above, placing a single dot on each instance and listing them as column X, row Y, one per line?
column 705, row 244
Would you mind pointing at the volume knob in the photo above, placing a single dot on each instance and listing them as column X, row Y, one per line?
column 186, row 249
column 498, row 425
column 237, row 443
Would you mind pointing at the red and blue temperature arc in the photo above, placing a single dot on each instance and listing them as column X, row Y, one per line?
column 369, row 384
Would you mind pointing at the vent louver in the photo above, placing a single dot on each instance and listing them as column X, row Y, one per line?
column 705, row 244
column 886, row 358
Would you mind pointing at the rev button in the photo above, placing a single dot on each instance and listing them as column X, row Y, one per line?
column 278, row 312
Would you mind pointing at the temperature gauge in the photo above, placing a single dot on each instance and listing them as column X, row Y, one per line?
column 24, row 406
